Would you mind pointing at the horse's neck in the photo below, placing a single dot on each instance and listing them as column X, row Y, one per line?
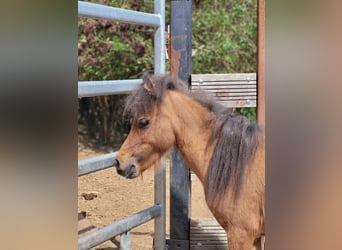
column 193, row 126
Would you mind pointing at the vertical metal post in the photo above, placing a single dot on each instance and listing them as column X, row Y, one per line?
column 125, row 241
column 159, row 38
column 180, row 195
column 261, row 63
column 160, row 199
column 160, row 174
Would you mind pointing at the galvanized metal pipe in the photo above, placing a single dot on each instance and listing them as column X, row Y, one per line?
column 100, row 88
column 93, row 10
column 159, row 38
column 97, row 163
column 125, row 241
column 160, row 199
column 160, row 173
column 118, row 227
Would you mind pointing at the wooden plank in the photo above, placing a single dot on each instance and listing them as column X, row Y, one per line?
column 209, row 242
column 204, row 232
column 224, row 77
column 224, row 83
column 208, row 237
column 207, row 229
column 205, row 245
column 236, row 91
column 231, row 90
column 234, row 94
column 84, row 225
column 199, row 247
column 204, row 222
column 224, row 87
column 239, row 104
column 220, row 85
column 244, row 100
column 207, row 234
column 214, row 89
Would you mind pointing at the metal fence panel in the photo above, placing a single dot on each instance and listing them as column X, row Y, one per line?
column 98, row 88
column 94, row 164
column 99, row 11
column 125, row 241
column 119, row 227
column 160, row 173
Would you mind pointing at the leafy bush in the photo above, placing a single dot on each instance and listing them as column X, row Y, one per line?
column 108, row 51
column 224, row 36
column 225, row 39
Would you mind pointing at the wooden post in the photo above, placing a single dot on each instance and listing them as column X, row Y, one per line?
column 261, row 75
column 261, row 63
column 180, row 193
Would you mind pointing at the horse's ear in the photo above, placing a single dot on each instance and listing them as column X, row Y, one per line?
column 148, row 83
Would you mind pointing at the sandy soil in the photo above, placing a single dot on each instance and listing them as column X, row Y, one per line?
column 117, row 198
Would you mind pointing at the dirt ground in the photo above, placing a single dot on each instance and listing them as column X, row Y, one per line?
column 117, row 198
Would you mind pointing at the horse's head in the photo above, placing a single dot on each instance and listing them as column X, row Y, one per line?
column 151, row 134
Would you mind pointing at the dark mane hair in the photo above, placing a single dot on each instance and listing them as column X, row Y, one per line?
column 237, row 141
column 236, row 137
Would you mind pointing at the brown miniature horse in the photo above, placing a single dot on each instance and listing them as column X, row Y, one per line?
column 225, row 151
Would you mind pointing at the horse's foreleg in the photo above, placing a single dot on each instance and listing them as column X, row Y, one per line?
column 263, row 239
column 239, row 240
column 259, row 244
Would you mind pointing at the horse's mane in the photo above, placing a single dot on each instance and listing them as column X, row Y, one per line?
column 235, row 136
column 142, row 100
column 237, row 141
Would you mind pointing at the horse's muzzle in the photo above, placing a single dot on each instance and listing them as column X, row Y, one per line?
column 129, row 172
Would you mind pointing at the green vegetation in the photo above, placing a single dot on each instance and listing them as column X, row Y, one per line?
column 224, row 36
column 224, row 41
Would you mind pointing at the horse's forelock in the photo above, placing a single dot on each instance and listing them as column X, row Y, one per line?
column 141, row 100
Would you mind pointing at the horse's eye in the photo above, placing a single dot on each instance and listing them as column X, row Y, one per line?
column 143, row 123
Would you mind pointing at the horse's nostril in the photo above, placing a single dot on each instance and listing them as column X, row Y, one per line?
column 116, row 163
column 132, row 168
column 119, row 171
column 132, row 172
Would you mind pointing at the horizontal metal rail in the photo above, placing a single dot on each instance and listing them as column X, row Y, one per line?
column 97, row 163
column 99, row 11
column 98, row 88
column 119, row 227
